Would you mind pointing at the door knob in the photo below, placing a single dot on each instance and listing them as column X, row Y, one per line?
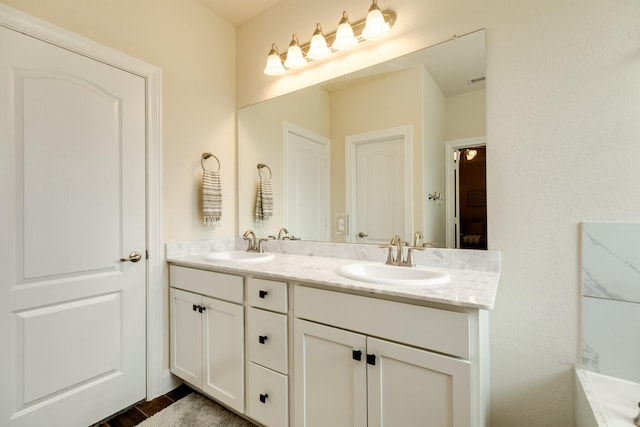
column 361, row 234
column 133, row 257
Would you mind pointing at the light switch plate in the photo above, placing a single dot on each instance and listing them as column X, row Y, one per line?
column 342, row 225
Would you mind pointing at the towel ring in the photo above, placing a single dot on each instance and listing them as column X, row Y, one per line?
column 262, row 166
column 205, row 156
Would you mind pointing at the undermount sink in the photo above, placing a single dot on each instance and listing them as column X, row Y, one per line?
column 393, row 275
column 239, row 256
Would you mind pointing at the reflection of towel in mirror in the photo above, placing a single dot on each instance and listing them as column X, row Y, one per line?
column 211, row 199
column 264, row 200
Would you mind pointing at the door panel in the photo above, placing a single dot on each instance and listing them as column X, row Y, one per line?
column 223, row 340
column 413, row 387
column 330, row 384
column 72, row 142
column 380, row 190
column 307, row 164
column 186, row 335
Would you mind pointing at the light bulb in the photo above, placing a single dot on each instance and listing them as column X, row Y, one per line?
column 345, row 39
column 318, row 48
column 376, row 27
column 274, row 63
column 295, row 58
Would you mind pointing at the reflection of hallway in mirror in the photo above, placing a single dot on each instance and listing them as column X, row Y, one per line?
column 471, row 197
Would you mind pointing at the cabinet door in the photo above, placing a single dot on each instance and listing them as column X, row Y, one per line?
column 186, row 336
column 223, row 358
column 412, row 387
column 330, row 385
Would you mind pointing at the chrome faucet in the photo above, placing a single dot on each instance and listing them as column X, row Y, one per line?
column 282, row 230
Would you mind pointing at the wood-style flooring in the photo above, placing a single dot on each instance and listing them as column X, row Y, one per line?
column 137, row 414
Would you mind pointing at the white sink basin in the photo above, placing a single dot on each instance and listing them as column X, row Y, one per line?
column 393, row 275
column 239, row 256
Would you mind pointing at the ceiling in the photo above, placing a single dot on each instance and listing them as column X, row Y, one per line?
column 238, row 11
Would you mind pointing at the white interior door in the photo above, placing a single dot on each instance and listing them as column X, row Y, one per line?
column 72, row 191
column 381, row 174
column 307, row 177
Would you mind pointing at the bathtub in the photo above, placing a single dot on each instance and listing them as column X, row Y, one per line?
column 605, row 401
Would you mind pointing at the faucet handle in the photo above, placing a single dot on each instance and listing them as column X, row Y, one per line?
column 260, row 248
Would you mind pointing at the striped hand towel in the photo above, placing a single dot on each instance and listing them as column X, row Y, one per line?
column 211, row 199
column 264, row 200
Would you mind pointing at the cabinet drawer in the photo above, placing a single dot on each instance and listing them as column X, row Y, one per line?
column 267, row 294
column 430, row 328
column 267, row 338
column 267, row 396
column 218, row 285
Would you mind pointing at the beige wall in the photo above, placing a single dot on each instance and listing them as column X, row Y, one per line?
column 260, row 136
column 364, row 107
column 563, row 142
column 196, row 52
column 466, row 115
column 434, row 116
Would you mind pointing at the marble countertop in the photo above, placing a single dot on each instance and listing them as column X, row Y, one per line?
column 467, row 288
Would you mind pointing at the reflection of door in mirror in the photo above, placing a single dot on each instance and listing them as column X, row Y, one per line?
column 381, row 181
column 467, row 194
column 307, row 183
column 472, row 198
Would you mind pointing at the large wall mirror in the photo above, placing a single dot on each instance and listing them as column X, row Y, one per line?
column 371, row 154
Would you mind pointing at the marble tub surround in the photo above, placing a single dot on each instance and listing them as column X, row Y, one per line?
column 467, row 288
column 610, row 274
column 611, row 261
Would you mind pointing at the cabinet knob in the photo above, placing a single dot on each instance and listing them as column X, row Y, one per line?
column 357, row 355
column 371, row 359
column 262, row 339
column 201, row 308
column 195, row 307
column 262, row 294
column 263, row 397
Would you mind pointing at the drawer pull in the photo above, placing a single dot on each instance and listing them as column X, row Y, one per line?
column 371, row 359
column 357, row 355
column 263, row 397
column 262, row 339
column 262, row 294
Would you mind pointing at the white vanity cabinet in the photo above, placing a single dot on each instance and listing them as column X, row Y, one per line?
column 268, row 350
column 318, row 355
column 361, row 361
column 207, row 332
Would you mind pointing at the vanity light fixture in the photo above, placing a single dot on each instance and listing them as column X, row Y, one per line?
column 318, row 48
column 295, row 59
column 345, row 39
column 375, row 26
column 274, row 63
